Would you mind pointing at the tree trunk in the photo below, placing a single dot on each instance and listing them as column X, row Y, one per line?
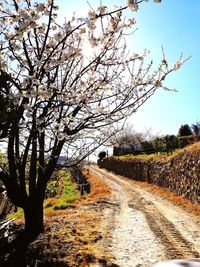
column 34, row 217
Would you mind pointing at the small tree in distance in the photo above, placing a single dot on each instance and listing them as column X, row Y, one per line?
column 184, row 130
column 196, row 130
column 62, row 98
column 102, row 155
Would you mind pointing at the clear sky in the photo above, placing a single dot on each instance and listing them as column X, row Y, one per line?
column 173, row 24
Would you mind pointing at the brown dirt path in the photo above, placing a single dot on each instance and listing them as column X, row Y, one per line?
column 143, row 228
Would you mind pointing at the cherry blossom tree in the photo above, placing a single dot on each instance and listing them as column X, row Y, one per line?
column 127, row 140
column 63, row 98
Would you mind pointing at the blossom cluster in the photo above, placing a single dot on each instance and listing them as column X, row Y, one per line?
column 134, row 4
column 62, row 89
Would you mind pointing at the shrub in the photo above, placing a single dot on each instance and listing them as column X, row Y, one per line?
column 186, row 140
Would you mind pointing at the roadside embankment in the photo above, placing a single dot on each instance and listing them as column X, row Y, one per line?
column 179, row 174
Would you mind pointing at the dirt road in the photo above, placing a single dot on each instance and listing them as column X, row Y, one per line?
column 143, row 228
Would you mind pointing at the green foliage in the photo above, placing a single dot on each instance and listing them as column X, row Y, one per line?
column 63, row 205
column 186, row 140
column 158, row 144
column 196, row 130
column 52, row 188
column 66, row 198
column 147, row 147
column 165, row 144
column 158, row 156
column 61, row 202
column 171, row 143
column 18, row 215
column 184, row 130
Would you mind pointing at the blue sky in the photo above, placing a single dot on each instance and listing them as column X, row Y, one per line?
column 173, row 24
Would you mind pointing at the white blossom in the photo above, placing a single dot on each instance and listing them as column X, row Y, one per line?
column 132, row 5
column 92, row 15
column 93, row 41
column 177, row 65
column 91, row 25
column 75, row 75
column 102, row 9
column 40, row 7
column 100, row 109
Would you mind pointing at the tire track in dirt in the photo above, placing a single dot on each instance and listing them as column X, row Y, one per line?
column 152, row 236
column 177, row 246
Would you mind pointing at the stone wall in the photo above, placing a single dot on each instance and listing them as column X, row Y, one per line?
column 180, row 175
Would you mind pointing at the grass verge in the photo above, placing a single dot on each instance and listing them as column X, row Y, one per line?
column 66, row 198
column 162, row 156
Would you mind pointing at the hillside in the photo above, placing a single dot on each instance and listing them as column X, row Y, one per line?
column 179, row 172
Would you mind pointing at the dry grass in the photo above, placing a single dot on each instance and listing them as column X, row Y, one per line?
column 70, row 236
column 193, row 147
column 99, row 188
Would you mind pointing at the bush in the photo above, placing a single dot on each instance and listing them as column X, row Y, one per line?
column 185, row 130
column 186, row 140
column 52, row 188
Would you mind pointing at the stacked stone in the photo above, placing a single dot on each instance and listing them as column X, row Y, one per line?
column 180, row 175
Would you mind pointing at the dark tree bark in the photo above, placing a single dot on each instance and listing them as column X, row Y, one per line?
column 34, row 219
